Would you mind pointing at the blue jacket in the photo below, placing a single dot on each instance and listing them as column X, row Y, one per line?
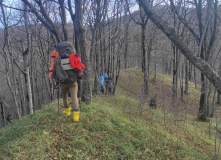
column 102, row 81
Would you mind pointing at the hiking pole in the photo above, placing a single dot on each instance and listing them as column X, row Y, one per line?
column 58, row 102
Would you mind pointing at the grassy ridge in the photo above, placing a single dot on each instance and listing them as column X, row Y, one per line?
column 109, row 128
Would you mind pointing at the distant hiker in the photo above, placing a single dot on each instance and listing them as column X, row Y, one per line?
column 102, row 84
column 105, row 76
column 67, row 70
column 152, row 103
column 108, row 84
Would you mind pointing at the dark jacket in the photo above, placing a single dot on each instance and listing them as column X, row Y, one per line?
column 61, row 76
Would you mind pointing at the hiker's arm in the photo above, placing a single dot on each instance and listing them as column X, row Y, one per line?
column 54, row 76
column 57, row 85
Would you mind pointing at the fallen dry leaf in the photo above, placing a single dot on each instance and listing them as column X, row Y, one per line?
column 45, row 132
column 69, row 156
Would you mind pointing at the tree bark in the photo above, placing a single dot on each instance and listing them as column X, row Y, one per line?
column 202, row 108
column 143, row 48
column 155, row 69
column 187, row 74
column 181, row 80
column 175, row 69
column 219, row 94
column 126, row 35
column 2, row 111
column 63, row 19
column 27, row 67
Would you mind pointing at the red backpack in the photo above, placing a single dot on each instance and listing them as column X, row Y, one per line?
column 76, row 62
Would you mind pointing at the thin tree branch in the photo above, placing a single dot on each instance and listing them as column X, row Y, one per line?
column 201, row 64
column 20, row 68
column 185, row 23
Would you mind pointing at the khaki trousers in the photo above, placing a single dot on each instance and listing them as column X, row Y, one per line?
column 73, row 88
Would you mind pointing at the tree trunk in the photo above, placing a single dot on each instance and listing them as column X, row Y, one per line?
column 97, row 66
column 97, row 61
column 126, row 34
column 219, row 94
column 181, row 81
column 102, row 42
column 109, row 51
column 202, row 109
column 190, row 71
column 113, row 61
column 214, row 105
column 63, row 19
column 155, row 69
column 118, row 68
column 175, row 70
column 26, row 67
column 208, row 100
column 143, row 28
column 29, row 90
column 187, row 74
column 146, row 76
column 80, row 33
column 2, row 111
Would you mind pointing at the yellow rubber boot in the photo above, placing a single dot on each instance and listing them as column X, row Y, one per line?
column 67, row 111
column 76, row 115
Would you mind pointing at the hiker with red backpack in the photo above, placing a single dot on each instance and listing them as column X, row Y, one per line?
column 66, row 71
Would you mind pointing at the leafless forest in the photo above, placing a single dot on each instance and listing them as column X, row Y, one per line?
column 176, row 37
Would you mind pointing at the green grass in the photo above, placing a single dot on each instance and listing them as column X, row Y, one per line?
column 109, row 128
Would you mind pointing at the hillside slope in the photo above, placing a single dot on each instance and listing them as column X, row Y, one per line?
column 109, row 128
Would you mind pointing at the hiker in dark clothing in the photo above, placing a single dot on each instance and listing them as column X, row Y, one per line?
column 109, row 86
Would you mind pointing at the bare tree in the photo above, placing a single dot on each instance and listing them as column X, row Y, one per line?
column 8, row 54
column 26, row 63
column 43, row 16
column 197, row 61
column 96, row 18
column 145, row 54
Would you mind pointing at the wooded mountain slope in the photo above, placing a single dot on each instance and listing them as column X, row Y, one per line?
column 113, row 127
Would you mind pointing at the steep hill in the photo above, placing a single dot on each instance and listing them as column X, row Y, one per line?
column 113, row 128
column 131, row 81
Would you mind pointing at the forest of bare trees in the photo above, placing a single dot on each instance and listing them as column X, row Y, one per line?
column 175, row 37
